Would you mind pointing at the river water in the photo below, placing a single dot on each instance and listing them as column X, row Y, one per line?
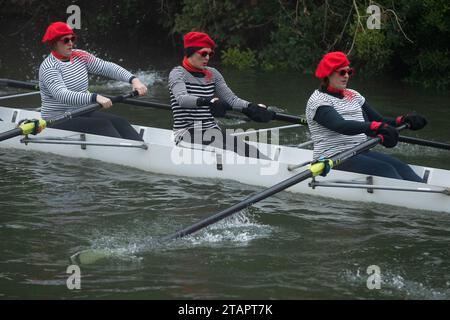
column 288, row 246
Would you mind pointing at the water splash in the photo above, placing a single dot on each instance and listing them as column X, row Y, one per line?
column 229, row 122
column 118, row 248
column 237, row 230
column 146, row 77
column 394, row 285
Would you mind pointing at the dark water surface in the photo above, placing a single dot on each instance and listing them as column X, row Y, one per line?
column 289, row 246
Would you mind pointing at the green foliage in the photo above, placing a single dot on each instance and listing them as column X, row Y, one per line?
column 103, row 21
column 278, row 34
column 294, row 34
column 432, row 69
column 289, row 48
column 240, row 59
column 436, row 15
column 372, row 51
column 428, row 57
column 224, row 20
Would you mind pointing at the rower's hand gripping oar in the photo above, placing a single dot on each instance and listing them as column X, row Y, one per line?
column 130, row 101
column 314, row 170
column 35, row 126
column 143, row 103
column 91, row 256
column 411, row 140
column 162, row 106
column 278, row 115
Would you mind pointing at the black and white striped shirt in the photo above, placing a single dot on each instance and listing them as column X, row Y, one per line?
column 64, row 85
column 328, row 142
column 185, row 89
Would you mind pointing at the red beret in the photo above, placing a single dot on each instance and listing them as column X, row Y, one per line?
column 198, row 39
column 331, row 62
column 56, row 30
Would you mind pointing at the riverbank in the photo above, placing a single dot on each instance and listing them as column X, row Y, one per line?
column 266, row 35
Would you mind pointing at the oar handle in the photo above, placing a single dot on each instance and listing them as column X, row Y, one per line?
column 144, row 103
column 290, row 118
column 86, row 109
column 278, row 116
column 124, row 96
column 36, row 126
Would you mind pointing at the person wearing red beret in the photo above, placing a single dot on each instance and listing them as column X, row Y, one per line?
column 63, row 81
column 199, row 93
column 340, row 118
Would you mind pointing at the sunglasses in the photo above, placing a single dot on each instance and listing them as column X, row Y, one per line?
column 206, row 53
column 342, row 73
column 66, row 40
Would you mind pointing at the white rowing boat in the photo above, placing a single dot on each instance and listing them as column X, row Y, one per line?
column 159, row 154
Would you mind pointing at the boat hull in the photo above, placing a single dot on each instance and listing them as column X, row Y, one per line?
column 163, row 157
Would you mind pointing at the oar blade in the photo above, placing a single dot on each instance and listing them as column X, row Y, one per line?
column 90, row 256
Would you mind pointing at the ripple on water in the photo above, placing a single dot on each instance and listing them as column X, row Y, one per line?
column 288, row 245
column 394, row 285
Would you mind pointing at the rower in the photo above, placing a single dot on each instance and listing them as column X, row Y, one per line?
column 340, row 118
column 198, row 93
column 63, row 80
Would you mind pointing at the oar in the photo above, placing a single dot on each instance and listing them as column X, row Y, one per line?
column 143, row 103
column 30, row 127
column 20, row 84
column 90, row 256
column 290, row 118
column 406, row 139
column 134, row 102
column 19, row 95
column 422, row 142
column 278, row 115
column 314, row 170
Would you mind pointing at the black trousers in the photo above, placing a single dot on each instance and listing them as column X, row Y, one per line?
column 101, row 123
column 219, row 139
column 379, row 164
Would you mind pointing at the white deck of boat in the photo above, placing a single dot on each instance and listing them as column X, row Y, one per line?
column 159, row 158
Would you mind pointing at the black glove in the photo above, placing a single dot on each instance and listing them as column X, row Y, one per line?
column 258, row 114
column 388, row 134
column 217, row 107
column 415, row 121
